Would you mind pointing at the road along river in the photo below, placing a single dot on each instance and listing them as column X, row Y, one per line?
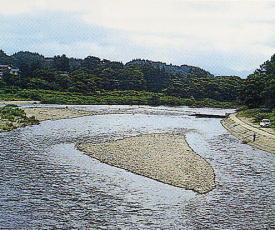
column 47, row 183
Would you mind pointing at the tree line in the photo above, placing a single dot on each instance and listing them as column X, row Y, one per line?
column 92, row 75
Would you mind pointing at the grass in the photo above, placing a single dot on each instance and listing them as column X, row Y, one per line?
column 129, row 97
column 11, row 95
column 257, row 114
column 11, row 117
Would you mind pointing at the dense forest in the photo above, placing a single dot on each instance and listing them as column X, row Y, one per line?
column 92, row 75
column 259, row 88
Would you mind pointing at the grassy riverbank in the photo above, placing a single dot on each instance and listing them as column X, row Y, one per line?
column 11, row 117
column 257, row 114
column 128, row 97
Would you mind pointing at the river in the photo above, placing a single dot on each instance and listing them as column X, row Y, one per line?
column 47, row 183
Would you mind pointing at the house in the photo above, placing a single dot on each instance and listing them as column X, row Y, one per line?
column 14, row 71
column 8, row 68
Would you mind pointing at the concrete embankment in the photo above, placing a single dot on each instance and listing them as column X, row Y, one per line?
column 244, row 131
column 163, row 157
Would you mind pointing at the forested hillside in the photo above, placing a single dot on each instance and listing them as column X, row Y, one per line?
column 259, row 88
column 93, row 75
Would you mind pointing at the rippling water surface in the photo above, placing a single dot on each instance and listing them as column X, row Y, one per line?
column 47, row 183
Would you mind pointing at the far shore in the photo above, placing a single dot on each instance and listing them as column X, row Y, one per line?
column 163, row 157
column 43, row 114
column 19, row 102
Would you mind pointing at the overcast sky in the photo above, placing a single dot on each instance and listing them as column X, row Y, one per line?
column 225, row 37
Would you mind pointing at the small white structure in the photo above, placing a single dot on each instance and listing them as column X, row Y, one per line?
column 8, row 68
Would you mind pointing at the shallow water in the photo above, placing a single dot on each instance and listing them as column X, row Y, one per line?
column 47, row 183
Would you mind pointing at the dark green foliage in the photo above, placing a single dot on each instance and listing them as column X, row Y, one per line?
column 130, row 79
column 5, row 59
column 80, row 81
column 158, row 75
column 61, row 63
column 92, row 75
column 28, row 61
column 259, row 88
column 183, row 70
column 154, row 100
column 222, row 88
column 129, row 97
column 12, row 80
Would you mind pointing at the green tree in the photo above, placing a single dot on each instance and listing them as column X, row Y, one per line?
column 61, row 63
column 259, row 88
column 131, row 79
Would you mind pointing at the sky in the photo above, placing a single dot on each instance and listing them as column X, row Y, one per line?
column 225, row 37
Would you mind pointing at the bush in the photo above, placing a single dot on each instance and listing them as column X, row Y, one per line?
column 13, row 117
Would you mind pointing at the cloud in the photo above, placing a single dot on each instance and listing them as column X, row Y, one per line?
column 236, row 35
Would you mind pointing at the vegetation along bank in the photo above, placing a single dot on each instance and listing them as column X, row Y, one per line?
column 12, row 117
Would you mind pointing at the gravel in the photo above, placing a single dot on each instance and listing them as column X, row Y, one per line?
column 163, row 157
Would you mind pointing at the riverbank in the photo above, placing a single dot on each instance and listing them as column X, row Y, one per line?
column 56, row 113
column 125, row 97
column 43, row 114
column 12, row 117
column 244, row 130
column 19, row 103
column 49, row 113
column 163, row 157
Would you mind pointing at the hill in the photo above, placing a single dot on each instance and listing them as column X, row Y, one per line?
column 183, row 70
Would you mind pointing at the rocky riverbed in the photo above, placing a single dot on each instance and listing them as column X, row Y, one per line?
column 164, row 157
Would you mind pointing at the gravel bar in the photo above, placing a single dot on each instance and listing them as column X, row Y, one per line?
column 163, row 157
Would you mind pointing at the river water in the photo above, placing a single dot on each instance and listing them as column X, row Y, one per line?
column 46, row 183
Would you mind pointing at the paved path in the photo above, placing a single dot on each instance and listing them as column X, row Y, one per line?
column 244, row 131
column 250, row 127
